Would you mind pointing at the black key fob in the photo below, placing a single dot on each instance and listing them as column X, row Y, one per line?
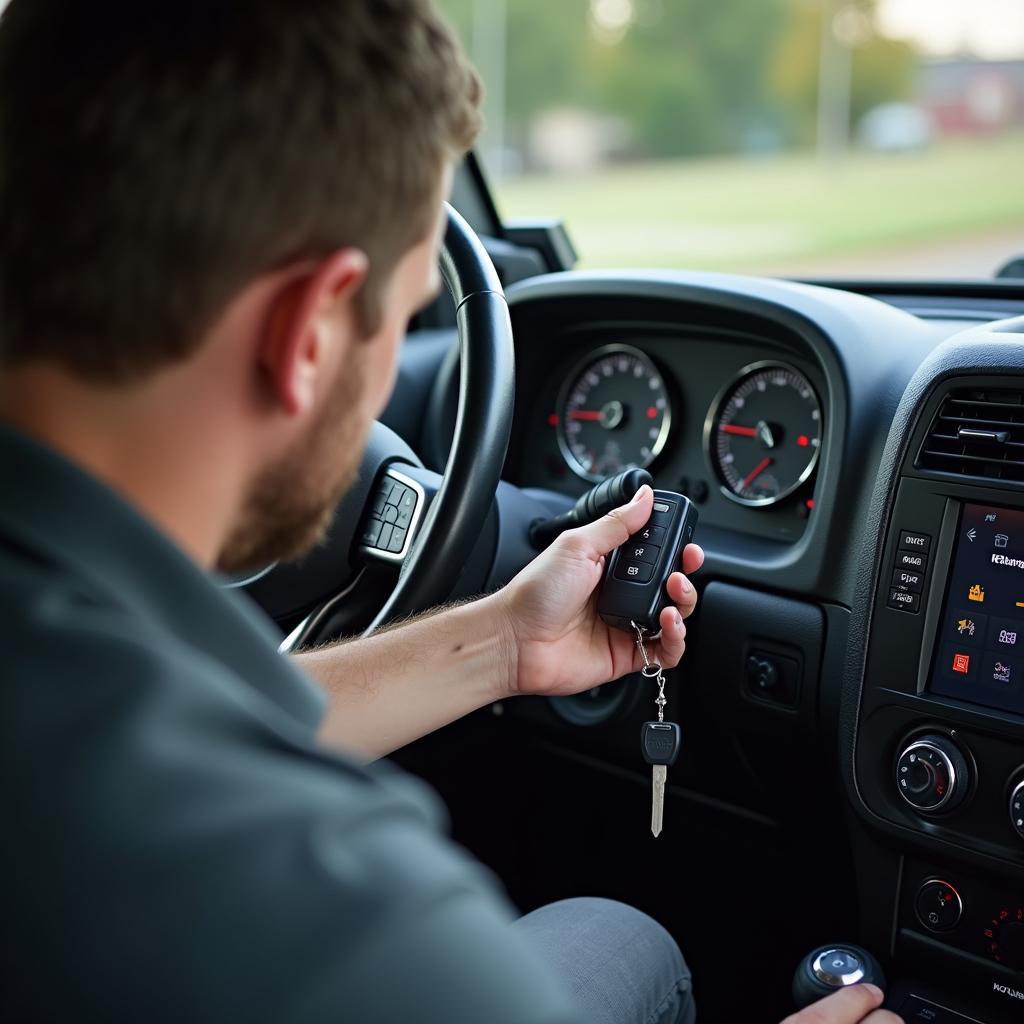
column 635, row 575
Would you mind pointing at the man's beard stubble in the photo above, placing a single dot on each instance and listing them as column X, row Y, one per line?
column 292, row 502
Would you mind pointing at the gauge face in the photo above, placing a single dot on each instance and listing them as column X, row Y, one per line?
column 763, row 434
column 613, row 413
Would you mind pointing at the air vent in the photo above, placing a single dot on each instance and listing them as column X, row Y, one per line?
column 978, row 432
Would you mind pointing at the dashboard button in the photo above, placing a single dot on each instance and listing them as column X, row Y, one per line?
column 911, row 560
column 1006, row 635
column 965, row 627
column 904, row 601
column 634, row 571
column 1000, row 671
column 908, row 579
column 915, row 541
column 397, row 539
column 938, row 905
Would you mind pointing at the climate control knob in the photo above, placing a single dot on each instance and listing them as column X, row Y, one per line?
column 931, row 774
column 1017, row 808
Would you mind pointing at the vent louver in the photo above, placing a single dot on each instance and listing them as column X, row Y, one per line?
column 978, row 432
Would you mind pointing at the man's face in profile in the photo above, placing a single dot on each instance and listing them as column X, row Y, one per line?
column 292, row 501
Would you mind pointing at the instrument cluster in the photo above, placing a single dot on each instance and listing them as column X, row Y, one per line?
column 763, row 432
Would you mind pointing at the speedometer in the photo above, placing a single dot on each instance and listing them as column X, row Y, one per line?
column 613, row 413
column 763, row 434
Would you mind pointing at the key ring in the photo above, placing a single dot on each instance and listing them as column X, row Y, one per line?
column 651, row 670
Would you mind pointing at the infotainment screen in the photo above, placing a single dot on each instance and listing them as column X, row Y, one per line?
column 979, row 648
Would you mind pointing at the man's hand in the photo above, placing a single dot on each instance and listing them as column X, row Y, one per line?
column 857, row 1004
column 562, row 646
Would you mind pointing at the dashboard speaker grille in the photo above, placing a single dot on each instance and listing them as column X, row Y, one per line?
column 978, row 432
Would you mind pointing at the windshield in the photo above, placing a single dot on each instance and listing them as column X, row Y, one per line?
column 868, row 138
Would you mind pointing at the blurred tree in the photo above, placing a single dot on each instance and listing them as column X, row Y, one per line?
column 691, row 76
column 686, row 76
column 546, row 44
column 883, row 69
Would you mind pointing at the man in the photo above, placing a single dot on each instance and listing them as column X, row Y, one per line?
column 216, row 218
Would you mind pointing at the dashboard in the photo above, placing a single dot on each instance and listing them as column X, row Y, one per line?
column 857, row 658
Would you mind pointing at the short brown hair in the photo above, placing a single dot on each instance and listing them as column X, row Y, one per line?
column 155, row 156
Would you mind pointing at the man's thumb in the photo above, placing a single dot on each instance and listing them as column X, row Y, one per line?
column 615, row 528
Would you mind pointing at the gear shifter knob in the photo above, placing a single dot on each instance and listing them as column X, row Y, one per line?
column 829, row 968
column 616, row 490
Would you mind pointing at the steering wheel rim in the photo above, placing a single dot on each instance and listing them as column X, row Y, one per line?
column 483, row 426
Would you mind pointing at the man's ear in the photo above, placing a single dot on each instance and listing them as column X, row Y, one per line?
column 310, row 316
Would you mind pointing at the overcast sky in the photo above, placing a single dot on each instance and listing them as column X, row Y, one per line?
column 990, row 28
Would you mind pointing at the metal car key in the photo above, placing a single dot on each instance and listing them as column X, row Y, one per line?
column 660, row 743
column 633, row 592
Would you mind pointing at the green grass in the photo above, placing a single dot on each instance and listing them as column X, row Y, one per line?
column 774, row 213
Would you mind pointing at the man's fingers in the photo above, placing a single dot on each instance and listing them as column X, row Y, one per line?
column 847, row 1006
column 682, row 592
column 672, row 641
column 615, row 528
column 693, row 558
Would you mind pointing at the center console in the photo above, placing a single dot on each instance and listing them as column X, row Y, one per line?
column 938, row 755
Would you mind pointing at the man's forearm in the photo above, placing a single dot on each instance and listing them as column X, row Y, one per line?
column 405, row 682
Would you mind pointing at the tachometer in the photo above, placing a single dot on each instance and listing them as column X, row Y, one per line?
column 763, row 434
column 613, row 413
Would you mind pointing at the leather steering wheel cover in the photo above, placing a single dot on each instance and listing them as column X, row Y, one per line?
column 483, row 427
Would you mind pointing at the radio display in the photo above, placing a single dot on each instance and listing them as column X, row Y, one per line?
column 980, row 642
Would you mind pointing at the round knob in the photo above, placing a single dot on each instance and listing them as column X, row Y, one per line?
column 1017, row 808
column 1004, row 937
column 938, row 905
column 931, row 774
column 830, row 968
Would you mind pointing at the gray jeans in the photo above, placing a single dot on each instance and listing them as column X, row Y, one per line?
column 620, row 964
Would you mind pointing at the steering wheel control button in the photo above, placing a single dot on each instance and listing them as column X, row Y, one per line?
column 910, row 541
column 904, row 600
column 931, row 774
column 634, row 571
column 938, row 905
column 392, row 517
column 1017, row 808
column 838, row 968
column 372, row 532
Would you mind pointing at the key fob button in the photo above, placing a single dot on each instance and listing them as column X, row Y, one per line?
column 643, row 553
column 652, row 534
column 662, row 514
column 634, row 571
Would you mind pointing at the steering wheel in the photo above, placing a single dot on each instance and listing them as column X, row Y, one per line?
column 452, row 524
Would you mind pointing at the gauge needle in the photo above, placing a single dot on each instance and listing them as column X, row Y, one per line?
column 757, row 471
column 731, row 428
column 585, row 414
